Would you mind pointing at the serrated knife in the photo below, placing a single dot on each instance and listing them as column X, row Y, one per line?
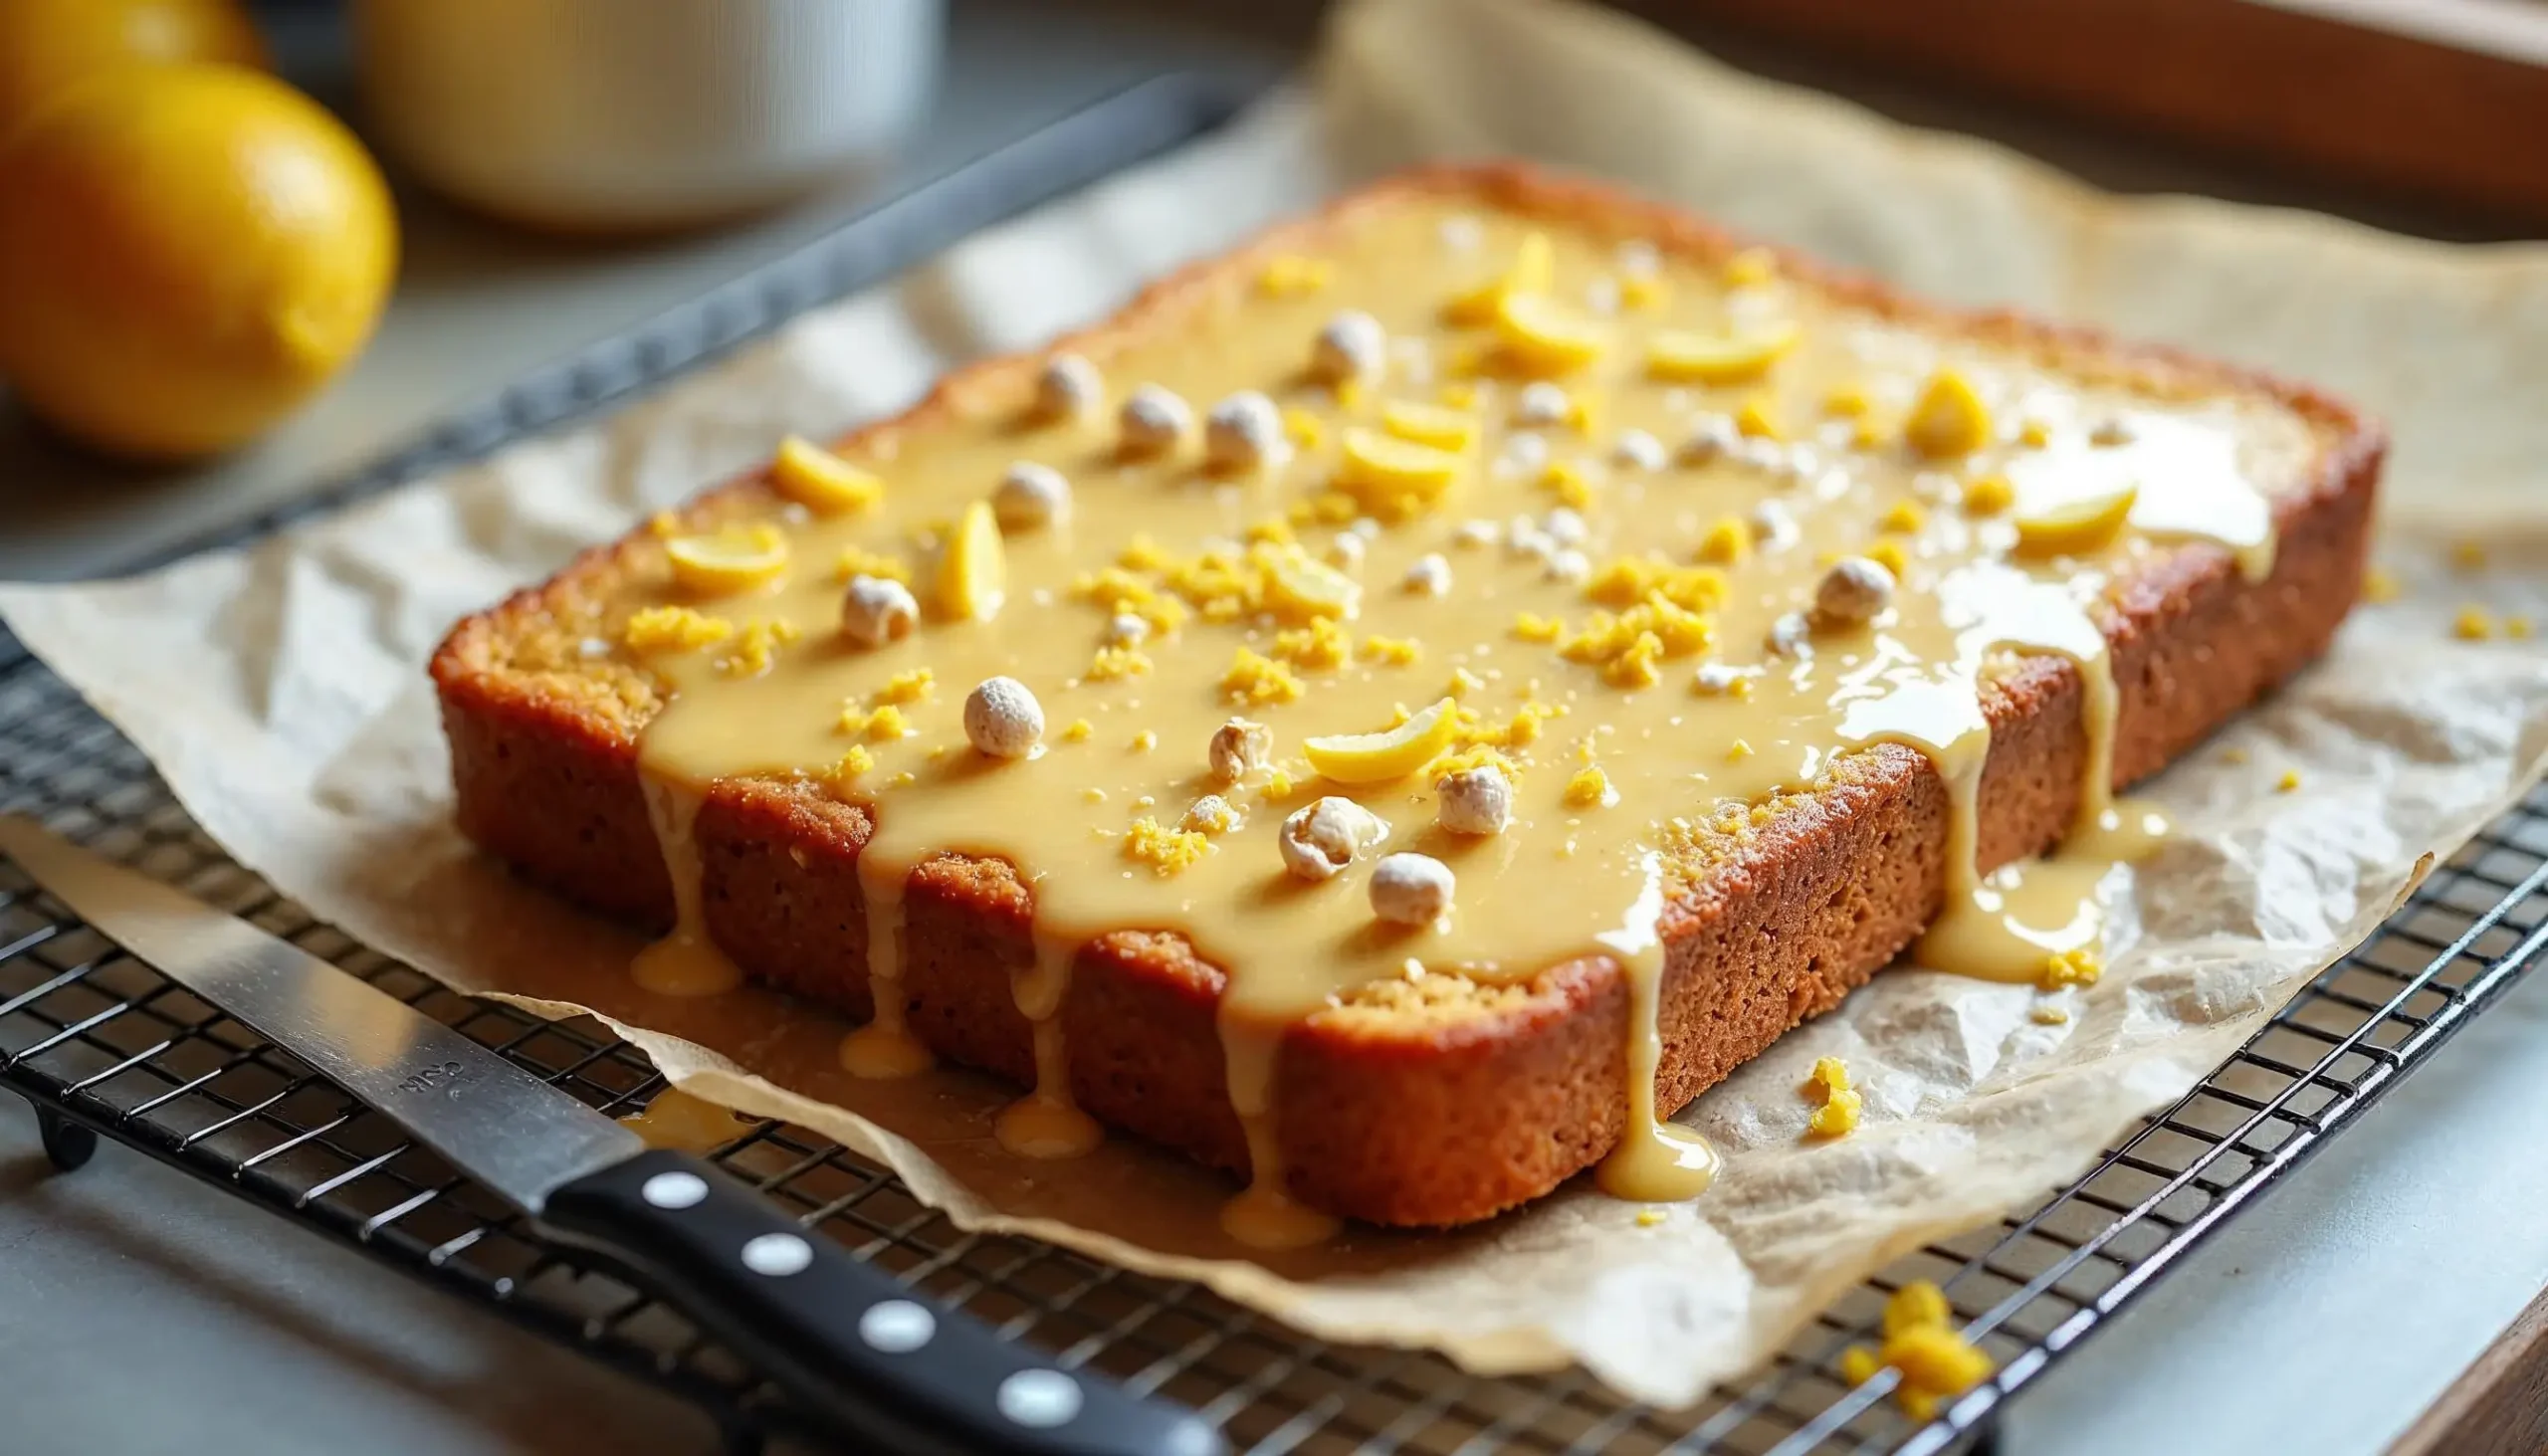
column 882, row 1366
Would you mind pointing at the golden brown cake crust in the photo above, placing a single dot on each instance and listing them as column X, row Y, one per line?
column 1396, row 1114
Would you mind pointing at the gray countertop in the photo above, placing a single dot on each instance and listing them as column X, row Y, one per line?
column 142, row 1311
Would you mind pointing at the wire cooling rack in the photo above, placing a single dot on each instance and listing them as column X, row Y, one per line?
column 100, row 1044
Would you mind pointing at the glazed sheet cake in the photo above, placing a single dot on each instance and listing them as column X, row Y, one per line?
column 1399, row 711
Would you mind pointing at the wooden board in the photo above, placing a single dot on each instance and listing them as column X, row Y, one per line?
column 2499, row 1406
column 2444, row 99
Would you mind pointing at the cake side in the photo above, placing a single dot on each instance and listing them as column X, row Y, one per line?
column 1446, row 1104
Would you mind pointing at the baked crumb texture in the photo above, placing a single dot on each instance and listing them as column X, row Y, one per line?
column 1431, row 1101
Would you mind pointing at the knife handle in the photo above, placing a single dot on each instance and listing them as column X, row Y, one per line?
column 884, row 1366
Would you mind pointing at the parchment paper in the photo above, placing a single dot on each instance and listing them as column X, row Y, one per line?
column 280, row 691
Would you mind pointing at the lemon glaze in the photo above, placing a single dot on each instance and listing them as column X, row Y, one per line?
column 1647, row 650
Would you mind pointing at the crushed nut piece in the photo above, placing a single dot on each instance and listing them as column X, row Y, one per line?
column 1154, row 420
column 1431, row 575
column 1352, row 345
column 1002, row 718
column 1321, row 839
column 876, row 610
column 1244, row 431
column 1031, row 495
column 1239, row 748
column 1069, row 386
column 1474, row 801
column 1411, row 889
column 1854, row 591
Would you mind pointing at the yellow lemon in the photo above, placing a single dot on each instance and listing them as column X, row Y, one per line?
column 813, row 477
column 44, row 45
column 1950, row 418
column 736, row 560
column 186, row 252
column 1719, row 359
column 1375, row 462
column 1546, row 334
column 1389, row 753
column 1438, row 425
column 1300, row 587
column 1533, row 265
column 972, row 576
column 2075, row 528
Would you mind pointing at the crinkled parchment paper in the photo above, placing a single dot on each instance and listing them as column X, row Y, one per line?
column 279, row 689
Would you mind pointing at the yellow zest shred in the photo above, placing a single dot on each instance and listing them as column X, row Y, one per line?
column 914, row 686
column 1108, row 664
column 1167, row 851
column 1587, row 788
column 678, row 629
column 1256, row 677
column 1841, row 1103
column 1396, row 652
column 1935, row 1361
column 758, row 647
column 2077, row 968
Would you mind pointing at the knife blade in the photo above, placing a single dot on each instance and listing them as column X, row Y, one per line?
column 879, row 1364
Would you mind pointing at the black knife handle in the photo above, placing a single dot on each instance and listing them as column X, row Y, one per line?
column 888, row 1368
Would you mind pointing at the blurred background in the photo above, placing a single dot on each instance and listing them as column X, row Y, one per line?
column 558, row 169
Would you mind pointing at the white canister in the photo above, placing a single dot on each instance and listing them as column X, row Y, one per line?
column 618, row 114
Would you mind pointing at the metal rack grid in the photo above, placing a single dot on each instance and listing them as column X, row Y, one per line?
column 100, row 1044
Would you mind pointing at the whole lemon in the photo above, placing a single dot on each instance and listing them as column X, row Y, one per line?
column 186, row 252
column 47, row 44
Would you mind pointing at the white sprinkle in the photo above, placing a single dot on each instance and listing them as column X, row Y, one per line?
column 1565, row 526
column 1541, row 403
column 1429, row 576
column 1068, row 386
column 1002, row 718
column 1368, row 528
column 1322, row 838
column 1479, row 532
column 1127, row 630
column 1031, row 495
column 1523, row 453
column 1788, row 636
column 1640, row 449
column 1345, row 552
column 1524, row 541
column 1569, row 564
column 592, row 647
column 876, row 610
column 1711, row 436
column 1474, row 801
column 1154, row 419
column 1771, row 523
column 1244, row 431
column 1766, row 456
column 1411, row 889
column 1352, row 345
